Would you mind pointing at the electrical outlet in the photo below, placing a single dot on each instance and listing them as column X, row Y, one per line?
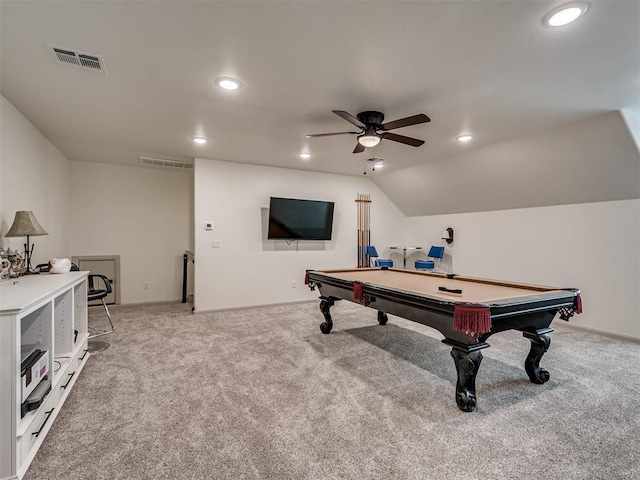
column 215, row 243
column 145, row 285
column 293, row 284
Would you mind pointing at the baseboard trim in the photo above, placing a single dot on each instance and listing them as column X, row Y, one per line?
column 617, row 336
column 142, row 304
column 250, row 307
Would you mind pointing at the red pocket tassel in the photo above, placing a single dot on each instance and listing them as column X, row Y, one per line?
column 472, row 318
column 357, row 291
column 577, row 304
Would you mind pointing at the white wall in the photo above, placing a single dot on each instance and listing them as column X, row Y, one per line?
column 142, row 214
column 34, row 175
column 250, row 270
column 594, row 247
column 631, row 115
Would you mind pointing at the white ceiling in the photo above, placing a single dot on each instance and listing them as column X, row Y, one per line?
column 485, row 67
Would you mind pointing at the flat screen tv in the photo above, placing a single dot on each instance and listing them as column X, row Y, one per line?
column 296, row 219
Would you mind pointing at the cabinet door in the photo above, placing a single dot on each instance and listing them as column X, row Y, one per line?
column 104, row 265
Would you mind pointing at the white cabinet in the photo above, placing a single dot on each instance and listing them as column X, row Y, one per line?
column 44, row 312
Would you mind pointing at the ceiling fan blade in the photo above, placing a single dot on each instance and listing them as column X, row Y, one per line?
column 349, row 118
column 359, row 148
column 405, row 122
column 329, row 134
column 414, row 142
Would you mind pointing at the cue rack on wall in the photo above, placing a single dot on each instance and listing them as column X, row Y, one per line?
column 363, row 201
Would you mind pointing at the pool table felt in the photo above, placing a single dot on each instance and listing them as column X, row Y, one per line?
column 474, row 290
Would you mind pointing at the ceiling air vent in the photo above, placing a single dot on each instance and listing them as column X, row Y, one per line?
column 81, row 60
column 166, row 162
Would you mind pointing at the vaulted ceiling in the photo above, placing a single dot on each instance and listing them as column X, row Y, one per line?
column 489, row 68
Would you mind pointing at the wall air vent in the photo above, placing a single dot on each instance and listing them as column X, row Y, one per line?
column 81, row 60
column 166, row 162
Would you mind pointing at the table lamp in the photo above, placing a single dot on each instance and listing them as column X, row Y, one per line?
column 25, row 224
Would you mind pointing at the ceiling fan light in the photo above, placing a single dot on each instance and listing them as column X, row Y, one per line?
column 368, row 140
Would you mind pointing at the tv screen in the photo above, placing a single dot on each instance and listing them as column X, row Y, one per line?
column 296, row 219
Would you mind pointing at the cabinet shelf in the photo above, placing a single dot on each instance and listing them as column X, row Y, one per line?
column 49, row 313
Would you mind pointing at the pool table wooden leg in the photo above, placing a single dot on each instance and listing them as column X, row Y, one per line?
column 540, row 342
column 467, row 364
column 325, row 304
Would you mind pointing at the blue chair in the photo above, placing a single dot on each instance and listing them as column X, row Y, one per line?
column 433, row 259
column 372, row 253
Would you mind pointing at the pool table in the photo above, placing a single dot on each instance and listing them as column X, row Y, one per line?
column 467, row 311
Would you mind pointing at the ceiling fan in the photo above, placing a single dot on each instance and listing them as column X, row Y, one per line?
column 372, row 130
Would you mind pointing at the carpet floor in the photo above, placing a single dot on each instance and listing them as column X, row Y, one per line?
column 262, row 394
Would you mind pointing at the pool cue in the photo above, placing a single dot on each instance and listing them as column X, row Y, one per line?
column 362, row 246
column 364, row 227
column 358, row 228
column 361, row 226
column 364, row 231
column 359, row 232
column 366, row 223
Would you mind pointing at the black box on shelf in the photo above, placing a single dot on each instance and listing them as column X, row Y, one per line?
column 36, row 398
column 32, row 371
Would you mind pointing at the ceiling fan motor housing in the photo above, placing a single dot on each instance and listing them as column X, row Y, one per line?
column 371, row 118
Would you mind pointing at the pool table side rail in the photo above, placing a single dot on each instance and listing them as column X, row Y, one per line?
column 548, row 295
column 549, row 298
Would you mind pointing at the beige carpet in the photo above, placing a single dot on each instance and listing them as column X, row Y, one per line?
column 262, row 394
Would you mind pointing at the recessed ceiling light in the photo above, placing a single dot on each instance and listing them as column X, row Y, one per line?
column 565, row 14
column 228, row 83
column 464, row 138
column 305, row 156
column 200, row 140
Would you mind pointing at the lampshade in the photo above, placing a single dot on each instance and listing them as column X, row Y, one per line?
column 24, row 224
column 368, row 140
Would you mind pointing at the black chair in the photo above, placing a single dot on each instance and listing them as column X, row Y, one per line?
column 98, row 287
